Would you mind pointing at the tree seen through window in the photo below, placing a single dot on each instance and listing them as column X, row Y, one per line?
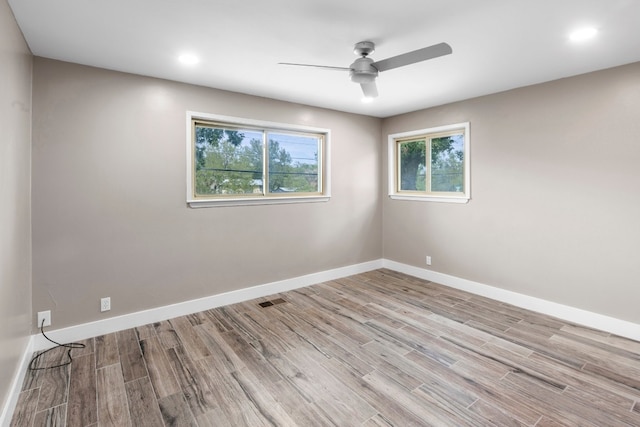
column 432, row 164
column 231, row 162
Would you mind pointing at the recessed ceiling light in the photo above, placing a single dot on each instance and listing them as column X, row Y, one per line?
column 188, row 59
column 583, row 34
column 367, row 99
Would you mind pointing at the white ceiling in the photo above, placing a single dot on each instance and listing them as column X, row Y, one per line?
column 497, row 44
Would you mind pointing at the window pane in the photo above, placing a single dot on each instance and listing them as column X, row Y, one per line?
column 293, row 163
column 227, row 161
column 412, row 165
column 447, row 163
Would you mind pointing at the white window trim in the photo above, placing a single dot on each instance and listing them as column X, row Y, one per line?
column 248, row 200
column 393, row 167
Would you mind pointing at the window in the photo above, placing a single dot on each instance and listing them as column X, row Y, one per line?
column 234, row 161
column 430, row 164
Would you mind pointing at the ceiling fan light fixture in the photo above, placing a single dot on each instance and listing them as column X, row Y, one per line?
column 362, row 71
column 362, row 77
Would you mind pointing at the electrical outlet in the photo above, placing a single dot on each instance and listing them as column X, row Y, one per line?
column 46, row 316
column 105, row 304
column 428, row 260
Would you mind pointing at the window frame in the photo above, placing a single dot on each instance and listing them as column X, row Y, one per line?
column 324, row 161
column 394, row 140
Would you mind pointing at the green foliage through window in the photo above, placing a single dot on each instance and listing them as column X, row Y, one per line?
column 230, row 161
column 432, row 163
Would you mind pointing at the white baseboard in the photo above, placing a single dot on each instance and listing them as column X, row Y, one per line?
column 126, row 321
column 582, row 317
column 113, row 324
column 16, row 385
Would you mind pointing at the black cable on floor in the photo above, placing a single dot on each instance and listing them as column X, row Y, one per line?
column 70, row 346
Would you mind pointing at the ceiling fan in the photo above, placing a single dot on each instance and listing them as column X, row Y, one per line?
column 364, row 70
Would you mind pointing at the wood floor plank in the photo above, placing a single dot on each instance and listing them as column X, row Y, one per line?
column 614, row 393
column 383, row 358
column 494, row 415
column 144, row 332
column 84, row 347
column 301, row 411
column 377, row 421
column 82, row 408
column 486, row 386
column 597, row 340
column 175, row 411
column 160, row 371
column 213, row 418
column 218, row 319
column 253, row 360
column 426, row 410
column 344, row 405
column 259, row 394
column 255, row 324
column 550, row 422
column 127, row 341
column 54, row 387
column 52, row 417
column 334, row 347
column 189, row 338
column 182, row 366
column 144, row 410
column 238, row 323
column 106, row 350
column 593, row 353
column 534, row 342
column 113, row 408
column 52, row 381
column 25, row 408
column 192, row 381
column 196, row 318
column 236, row 409
column 324, row 302
column 603, row 337
column 131, row 360
column 552, row 403
column 619, row 414
column 225, row 358
column 622, row 374
column 389, row 409
column 166, row 334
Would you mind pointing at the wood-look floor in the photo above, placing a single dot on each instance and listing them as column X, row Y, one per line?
column 375, row 349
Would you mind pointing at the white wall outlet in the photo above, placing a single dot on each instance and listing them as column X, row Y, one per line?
column 105, row 304
column 44, row 316
column 428, row 260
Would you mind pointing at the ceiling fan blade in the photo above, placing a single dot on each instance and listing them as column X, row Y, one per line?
column 326, row 67
column 370, row 90
column 408, row 58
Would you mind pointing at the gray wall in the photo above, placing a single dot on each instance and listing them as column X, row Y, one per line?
column 15, row 197
column 555, row 188
column 109, row 189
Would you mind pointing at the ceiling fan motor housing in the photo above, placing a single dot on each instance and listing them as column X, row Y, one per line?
column 362, row 70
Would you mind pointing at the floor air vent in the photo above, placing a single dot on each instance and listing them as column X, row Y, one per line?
column 272, row 302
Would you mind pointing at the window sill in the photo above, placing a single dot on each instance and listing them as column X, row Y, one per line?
column 249, row 201
column 442, row 199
